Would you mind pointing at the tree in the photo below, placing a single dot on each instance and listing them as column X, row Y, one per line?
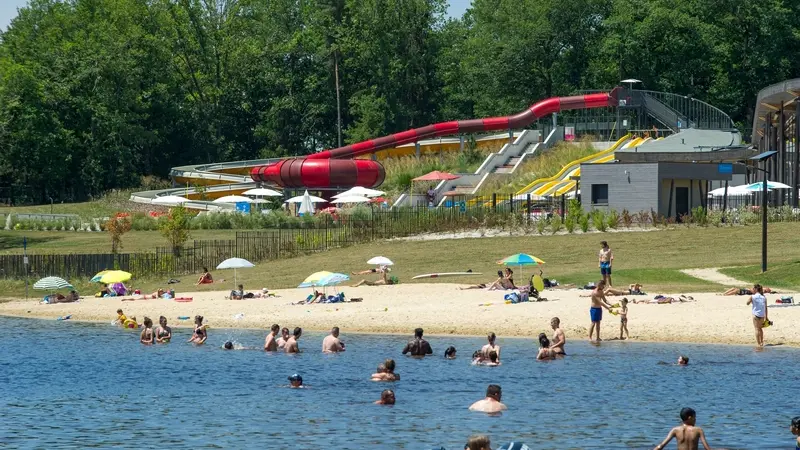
column 176, row 228
column 116, row 227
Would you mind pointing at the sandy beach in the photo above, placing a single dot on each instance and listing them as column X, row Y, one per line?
column 442, row 309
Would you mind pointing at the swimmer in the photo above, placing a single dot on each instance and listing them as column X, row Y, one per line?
column 491, row 404
column 687, row 434
column 200, row 333
column 493, row 360
column 296, row 382
column 596, row 310
column 163, row 332
column 387, row 398
column 478, row 442
column 121, row 318
column 491, row 346
column 331, row 343
column 795, row 429
column 228, row 345
column 147, row 337
column 477, row 358
column 623, row 319
column 558, row 337
column 291, row 343
column 450, row 353
column 281, row 341
column 545, row 352
column 418, row 346
column 386, row 372
column 378, row 375
column 270, row 345
column 683, row 360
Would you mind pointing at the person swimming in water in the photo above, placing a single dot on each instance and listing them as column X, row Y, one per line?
column 493, row 360
column 491, row 346
column 559, row 339
column 477, row 358
column 478, row 442
column 200, row 332
column 281, row 341
column 291, row 343
column 687, row 434
column 163, row 332
column 378, row 375
column 147, row 337
column 387, row 398
column 795, row 429
column 296, row 382
column 270, row 345
column 228, row 345
column 491, row 404
column 683, row 360
column 450, row 353
column 386, row 372
column 545, row 352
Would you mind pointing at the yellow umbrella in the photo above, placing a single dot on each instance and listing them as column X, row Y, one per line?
column 115, row 276
column 314, row 278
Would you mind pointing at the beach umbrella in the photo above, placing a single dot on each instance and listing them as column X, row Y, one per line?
column 758, row 186
column 351, row 199
column 314, row 278
column 235, row 263
column 233, row 199
column 96, row 278
column 332, row 279
column 520, row 259
column 51, row 284
column 299, row 199
column 437, row 176
column 360, row 191
column 169, row 200
column 262, row 192
column 380, row 261
column 732, row 190
column 113, row 276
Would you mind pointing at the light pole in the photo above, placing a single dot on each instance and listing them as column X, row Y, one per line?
column 763, row 157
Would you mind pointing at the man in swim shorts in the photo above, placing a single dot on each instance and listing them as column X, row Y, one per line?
column 596, row 310
column 418, row 346
column 270, row 344
column 281, row 341
column 606, row 258
column 490, row 404
column 557, row 346
column 291, row 344
column 331, row 343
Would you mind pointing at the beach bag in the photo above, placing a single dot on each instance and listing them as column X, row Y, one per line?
column 512, row 297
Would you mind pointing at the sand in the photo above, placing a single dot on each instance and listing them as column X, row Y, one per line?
column 442, row 309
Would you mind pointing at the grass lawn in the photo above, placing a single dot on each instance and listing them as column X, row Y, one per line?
column 105, row 206
column 651, row 258
column 781, row 275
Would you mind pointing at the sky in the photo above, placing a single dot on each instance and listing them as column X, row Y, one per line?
column 8, row 9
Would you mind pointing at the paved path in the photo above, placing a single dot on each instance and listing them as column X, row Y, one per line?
column 713, row 275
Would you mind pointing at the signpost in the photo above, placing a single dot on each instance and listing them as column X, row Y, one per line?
column 25, row 262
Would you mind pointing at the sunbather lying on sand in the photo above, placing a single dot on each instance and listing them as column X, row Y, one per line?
column 745, row 291
column 474, row 286
column 662, row 300
column 384, row 281
column 633, row 289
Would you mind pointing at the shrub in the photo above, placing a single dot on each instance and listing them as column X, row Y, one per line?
column 556, row 223
column 643, row 218
column 599, row 220
column 569, row 223
column 612, row 219
column 143, row 222
column 686, row 219
column 583, row 221
column 714, row 217
column 627, row 219
column 700, row 216
column 175, row 228
column 116, row 227
column 541, row 224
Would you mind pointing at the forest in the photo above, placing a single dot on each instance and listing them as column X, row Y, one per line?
column 99, row 94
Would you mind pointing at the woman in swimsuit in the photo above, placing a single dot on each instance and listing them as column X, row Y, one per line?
column 200, row 334
column 163, row 332
column 147, row 337
column 510, row 278
column 205, row 278
column 501, row 283
column 545, row 352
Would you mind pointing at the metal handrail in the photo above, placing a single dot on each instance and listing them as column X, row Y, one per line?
column 696, row 111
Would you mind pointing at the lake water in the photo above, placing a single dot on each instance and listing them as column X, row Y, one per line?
column 72, row 385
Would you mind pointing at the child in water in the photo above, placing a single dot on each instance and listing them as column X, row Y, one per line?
column 296, row 382
column 450, row 353
column 200, row 333
column 683, row 360
column 492, row 359
column 148, row 336
column 623, row 319
column 477, row 358
column 687, row 434
column 795, row 429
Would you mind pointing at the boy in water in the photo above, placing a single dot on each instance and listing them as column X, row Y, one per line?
column 596, row 310
column 121, row 318
column 492, row 359
column 623, row 320
column 687, row 434
column 296, row 381
column 795, row 429
column 557, row 346
column 683, row 360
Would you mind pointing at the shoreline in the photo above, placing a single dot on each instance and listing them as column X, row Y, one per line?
column 442, row 311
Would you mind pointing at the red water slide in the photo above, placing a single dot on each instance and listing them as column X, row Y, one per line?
column 336, row 168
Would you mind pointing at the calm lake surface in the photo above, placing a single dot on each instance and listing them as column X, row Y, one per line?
column 73, row 385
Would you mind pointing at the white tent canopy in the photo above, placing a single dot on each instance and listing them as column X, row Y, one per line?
column 169, row 200
column 262, row 192
column 351, row 199
column 360, row 191
column 233, row 199
column 732, row 190
column 299, row 199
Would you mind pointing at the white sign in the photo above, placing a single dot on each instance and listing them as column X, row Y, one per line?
column 25, row 260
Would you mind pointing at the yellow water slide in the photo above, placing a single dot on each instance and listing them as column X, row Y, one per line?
column 561, row 182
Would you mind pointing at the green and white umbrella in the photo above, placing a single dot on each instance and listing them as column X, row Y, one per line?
column 51, row 284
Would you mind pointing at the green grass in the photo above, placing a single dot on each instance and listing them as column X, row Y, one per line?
column 400, row 171
column 778, row 275
column 651, row 258
column 48, row 242
column 106, row 206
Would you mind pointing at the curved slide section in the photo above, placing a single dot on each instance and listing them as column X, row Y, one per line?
column 324, row 170
column 561, row 183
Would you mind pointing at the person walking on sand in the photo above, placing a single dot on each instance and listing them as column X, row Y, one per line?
column 760, row 313
column 331, row 343
column 491, row 404
column 606, row 258
column 270, row 344
column 418, row 346
column 688, row 435
column 291, row 344
column 596, row 310
column 559, row 340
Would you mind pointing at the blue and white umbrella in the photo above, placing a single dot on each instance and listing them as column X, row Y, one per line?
column 758, row 186
column 51, row 284
column 323, row 279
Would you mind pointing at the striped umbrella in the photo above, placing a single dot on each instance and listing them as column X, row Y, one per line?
column 51, row 284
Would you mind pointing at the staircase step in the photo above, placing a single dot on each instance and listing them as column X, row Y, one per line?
column 503, row 169
column 463, row 189
column 513, row 161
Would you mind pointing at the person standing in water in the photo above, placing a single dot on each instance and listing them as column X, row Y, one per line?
column 281, row 341
column 387, row 398
column 491, row 346
column 270, row 345
column 596, row 310
column 147, row 337
column 557, row 345
column 291, row 344
column 418, row 346
column 200, row 333
column 163, row 332
column 606, row 258
column 331, row 343
column 687, row 434
column 490, row 404
column 760, row 313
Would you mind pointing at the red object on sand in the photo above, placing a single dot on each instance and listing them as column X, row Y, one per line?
column 183, row 299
